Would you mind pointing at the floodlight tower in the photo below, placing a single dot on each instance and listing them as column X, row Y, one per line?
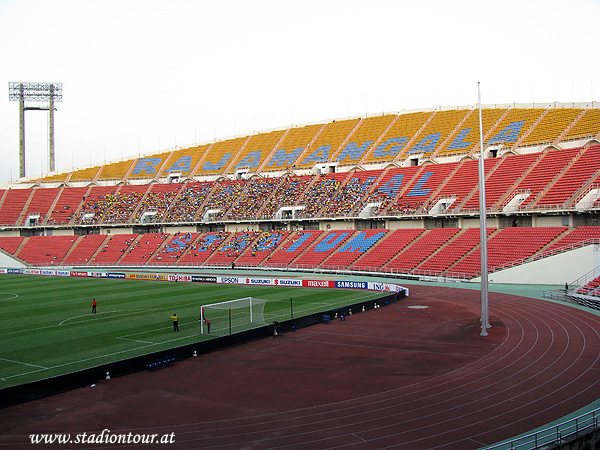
column 22, row 92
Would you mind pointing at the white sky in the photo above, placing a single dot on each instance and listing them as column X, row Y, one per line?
column 143, row 75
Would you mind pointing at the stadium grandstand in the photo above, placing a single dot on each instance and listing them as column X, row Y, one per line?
column 394, row 194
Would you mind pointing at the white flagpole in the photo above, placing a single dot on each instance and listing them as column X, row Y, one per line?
column 485, row 323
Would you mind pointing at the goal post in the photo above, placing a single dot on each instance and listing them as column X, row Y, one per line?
column 232, row 316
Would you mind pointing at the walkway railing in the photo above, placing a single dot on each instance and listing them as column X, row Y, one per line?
column 556, row 435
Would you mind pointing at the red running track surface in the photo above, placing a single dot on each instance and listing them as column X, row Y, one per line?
column 396, row 377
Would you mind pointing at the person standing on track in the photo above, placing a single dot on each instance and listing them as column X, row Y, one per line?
column 94, row 304
column 175, row 322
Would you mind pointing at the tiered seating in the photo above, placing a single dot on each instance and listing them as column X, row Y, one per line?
column 46, row 250
column 203, row 248
column 467, row 137
column 405, row 127
column 141, row 251
column 317, row 253
column 13, row 205
column 176, row 246
column 462, row 244
column 574, row 178
column 587, row 126
column 429, row 242
column 40, row 203
column 291, row 147
column 552, row 125
column 183, row 161
column 10, row 244
column 115, row 171
column 320, row 193
column 113, row 249
column 257, row 191
column 464, row 180
column 350, row 195
column 544, row 171
column 84, row 249
column 257, row 148
column 87, row 174
column 509, row 170
column 266, row 243
column 387, row 248
column 66, row 205
column 287, row 194
column 123, row 204
column 147, row 167
column 417, row 193
column 219, row 155
column 223, row 196
column 510, row 244
column 436, row 131
column 592, row 288
column 185, row 207
column 365, row 135
column 294, row 246
column 229, row 250
column 392, row 182
column 156, row 202
column 98, row 200
column 354, row 247
column 514, row 125
column 326, row 143
column 576, row 235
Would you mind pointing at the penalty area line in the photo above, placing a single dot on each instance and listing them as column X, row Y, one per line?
column 24, row 363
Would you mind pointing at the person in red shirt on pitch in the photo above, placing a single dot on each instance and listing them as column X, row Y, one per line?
column 94, row 304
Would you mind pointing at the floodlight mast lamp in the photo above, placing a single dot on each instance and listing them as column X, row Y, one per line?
column 22, row 92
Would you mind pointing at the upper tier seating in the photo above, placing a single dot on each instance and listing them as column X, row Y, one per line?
column 287, row 193
column 13, row 203
column 219, row 155
column 249, row 202
column 351, row 194
column 436, row 131
column 186, row 205
column 552, row 125
column 587, row 126
column 66, row 205
column 39, row 205
column 587, row 167
column 256, row 150
column 327, row 142
column 320, row 193
column 291, row 146
column 362, row 138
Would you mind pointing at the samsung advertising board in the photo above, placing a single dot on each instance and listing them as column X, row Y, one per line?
column 352, row 285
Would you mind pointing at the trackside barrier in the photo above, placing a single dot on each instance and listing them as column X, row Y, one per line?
column 584, row 427
column 55, row 385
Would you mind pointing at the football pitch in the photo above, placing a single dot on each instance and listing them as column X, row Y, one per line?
column 48, row 328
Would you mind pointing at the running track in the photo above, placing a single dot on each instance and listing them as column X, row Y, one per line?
column 395, row 377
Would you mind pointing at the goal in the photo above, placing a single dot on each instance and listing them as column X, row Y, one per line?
column 232, row 316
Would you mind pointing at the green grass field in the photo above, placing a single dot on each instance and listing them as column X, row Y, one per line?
column 48, row 329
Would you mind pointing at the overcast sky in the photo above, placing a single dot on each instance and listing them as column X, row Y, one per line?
column 142, row 75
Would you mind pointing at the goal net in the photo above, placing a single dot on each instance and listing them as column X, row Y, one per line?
column 232, row 316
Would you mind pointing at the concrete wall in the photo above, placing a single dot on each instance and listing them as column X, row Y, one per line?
column 559, row 269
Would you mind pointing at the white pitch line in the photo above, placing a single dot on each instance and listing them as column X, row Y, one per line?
column 135, row 340
column 19, row 362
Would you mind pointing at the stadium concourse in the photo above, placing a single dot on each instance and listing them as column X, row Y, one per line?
column 415, row 374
